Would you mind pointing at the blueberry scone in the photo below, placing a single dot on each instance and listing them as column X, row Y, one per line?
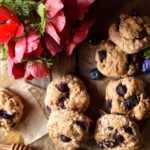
column 67, row 92
column 113, row 62
column 127, row 96
column 131, row 33
column 11, row 109
column 117, row 132
column 68, row 128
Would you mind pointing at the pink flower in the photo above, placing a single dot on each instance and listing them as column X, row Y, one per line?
column 55, row 19
column 29, row 45
column 36, row 69
column 79, row 35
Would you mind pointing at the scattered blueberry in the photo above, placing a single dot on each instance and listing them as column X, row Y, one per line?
column 109, row 143
column 110, row 128
column 146, row 66
column 61, row 103
column 101, row 145
column 63, row 87
column 82, row 124
column 131, row 102
column 95, row 74
column 108, row 104
column 65, row 138
column 119, row 139
column 49, row 109
column 142, row 34
column 5, row 115
column 102, row 55
column 135, row 13
column 121, row 89
column 94, row 40
column 128, row 130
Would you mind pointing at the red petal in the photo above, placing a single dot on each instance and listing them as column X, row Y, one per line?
column 11, row 52
column 20, row 30
column 52, row 46
column 20, row 49
column 37, row 69
column 52, row 32
column 53, row 7
column 79, row 35
column 32, row 36
column 83, row 7
column 9, row 25
column 32, row 46
column 59, row 21
column 28, row 76
column 16, row 70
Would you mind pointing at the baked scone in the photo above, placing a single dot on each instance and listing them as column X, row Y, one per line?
column 11, row 109
column 67, row 92
column 127, row 96
column 117, row 132
column 111, row 61
column 131, row 33
column 68, row 128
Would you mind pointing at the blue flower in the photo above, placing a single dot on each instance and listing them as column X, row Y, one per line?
column 146, row 66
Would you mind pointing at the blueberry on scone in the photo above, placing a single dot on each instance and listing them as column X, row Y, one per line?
column 127, row 96
column 11, row 109
column 131, row 33
column 117, row 132
column 67, row 92
column 68, row 128
column 111, row 61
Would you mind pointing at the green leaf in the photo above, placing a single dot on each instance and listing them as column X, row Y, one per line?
column 3, row 52
column 146, row 53
column 41, row 10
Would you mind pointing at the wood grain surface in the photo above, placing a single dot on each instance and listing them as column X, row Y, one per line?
column 82, row 61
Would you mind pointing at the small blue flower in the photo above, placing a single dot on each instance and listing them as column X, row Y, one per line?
column 146, row 66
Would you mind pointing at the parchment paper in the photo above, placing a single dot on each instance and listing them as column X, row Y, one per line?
column 33, row 123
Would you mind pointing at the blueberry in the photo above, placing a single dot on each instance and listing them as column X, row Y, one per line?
column 135, row 13
column 134, row 58
column 121, row 89
column 65, row 138
column 94, row 40
column 5, row 115
column 82, row 124
column 109, row 143
column 95, row 74
column 131, row 102
column 101, row 145
column 61, row 103
column 119, row 139
column 49, row 109
column 128, row 130
column 108, row 104
column 63, row 87
column 142, row 34
column 110, row 128
column 102, row 55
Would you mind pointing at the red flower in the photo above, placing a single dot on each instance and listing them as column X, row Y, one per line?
column 28, row 46
column 36, row 69
column 9, row 25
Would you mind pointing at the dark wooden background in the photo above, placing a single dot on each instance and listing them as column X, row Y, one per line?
column 82, row 60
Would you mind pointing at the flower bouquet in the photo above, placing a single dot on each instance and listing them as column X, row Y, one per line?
column 32, row 32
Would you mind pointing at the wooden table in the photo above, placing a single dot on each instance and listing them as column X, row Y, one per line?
column 82, row 60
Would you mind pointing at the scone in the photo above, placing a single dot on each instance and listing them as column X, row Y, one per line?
column 117, row 132
column 67, row 92
column 131, row 33
column 127, row 96
column 68, row 128
column 11, row 109
column 111, row 61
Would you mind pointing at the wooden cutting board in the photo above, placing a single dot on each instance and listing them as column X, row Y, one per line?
column 82, row 61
